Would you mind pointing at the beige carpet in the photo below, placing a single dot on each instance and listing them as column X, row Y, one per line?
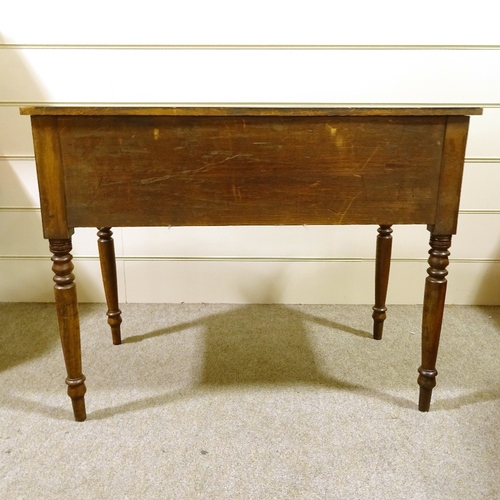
column 250, row 402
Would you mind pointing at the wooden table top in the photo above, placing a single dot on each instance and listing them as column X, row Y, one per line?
column 246, row 111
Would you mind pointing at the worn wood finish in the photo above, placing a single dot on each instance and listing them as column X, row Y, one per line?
column 434, row 298
column 250, row 171
column 107, row 258
column 382, row 267
column 245, row 111
column 50, row 177
column 69, row 325
column 105, row 167
column 450, row 181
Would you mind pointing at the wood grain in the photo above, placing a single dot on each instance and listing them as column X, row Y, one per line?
column 50, row 177
column 243, row 111
column 182, row 171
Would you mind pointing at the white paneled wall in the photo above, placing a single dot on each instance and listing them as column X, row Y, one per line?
column 244, row 53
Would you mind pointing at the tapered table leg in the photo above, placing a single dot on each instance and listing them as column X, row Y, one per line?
column 434, row 299
column 382, row 267
column 69, row 324
column 108, row 269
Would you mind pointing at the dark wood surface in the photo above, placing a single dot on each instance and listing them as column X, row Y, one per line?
column 244, row 111
column 105, row 167
column 236, row 171
column 382, row 268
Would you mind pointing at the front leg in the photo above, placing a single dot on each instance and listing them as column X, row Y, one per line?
column 434, row 298
column 69, row 324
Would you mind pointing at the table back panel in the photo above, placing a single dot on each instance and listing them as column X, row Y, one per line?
column 250, row 170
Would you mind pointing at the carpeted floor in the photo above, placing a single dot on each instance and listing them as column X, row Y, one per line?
column 250, row 402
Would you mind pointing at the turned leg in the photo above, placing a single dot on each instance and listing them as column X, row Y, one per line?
column 108, row 269
column 382, row 266
column 69, row 325
column 434, row 297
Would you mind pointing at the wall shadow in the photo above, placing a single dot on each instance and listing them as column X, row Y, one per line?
column 488, row 292
column 18, row 84
column 21, row 337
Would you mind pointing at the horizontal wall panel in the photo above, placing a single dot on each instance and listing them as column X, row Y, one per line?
column 474, row 283
column 15, row 133
column 256, row 22
column 22, row 235
column 482, row 141
column 26, row 280
column 477, row 235
column 480, row 186
column 85, row 241
column 251, row 282
column 30, row 280
column 292, row 282
column 18, row 183
column 287, row 76
column 324, row 242
column 268, row 242
column 477, row 238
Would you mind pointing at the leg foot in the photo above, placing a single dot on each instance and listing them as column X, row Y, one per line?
column 76, row 391
column 382, row 267
column 427, row 382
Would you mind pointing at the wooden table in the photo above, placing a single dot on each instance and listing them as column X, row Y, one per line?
column 104, row 167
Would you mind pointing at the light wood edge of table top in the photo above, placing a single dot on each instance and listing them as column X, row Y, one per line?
column 244, row 111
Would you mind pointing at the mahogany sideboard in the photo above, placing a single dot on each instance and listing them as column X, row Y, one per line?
column 185, row 166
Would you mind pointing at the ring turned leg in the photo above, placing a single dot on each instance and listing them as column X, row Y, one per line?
column 69, row 325
column 434, row 298
column 108, row 269
column 382, row 266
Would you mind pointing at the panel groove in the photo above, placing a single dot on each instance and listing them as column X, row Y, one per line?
column 176, row 258
column 32, row 158
column 473, row 211
column 245, row 104
column 17, row 46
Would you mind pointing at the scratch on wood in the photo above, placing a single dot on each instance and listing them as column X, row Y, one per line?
column 236, row 191
column 347, row 209
column 181, row 173
column 156, row 179
column 370, row 158
column 224, row 161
